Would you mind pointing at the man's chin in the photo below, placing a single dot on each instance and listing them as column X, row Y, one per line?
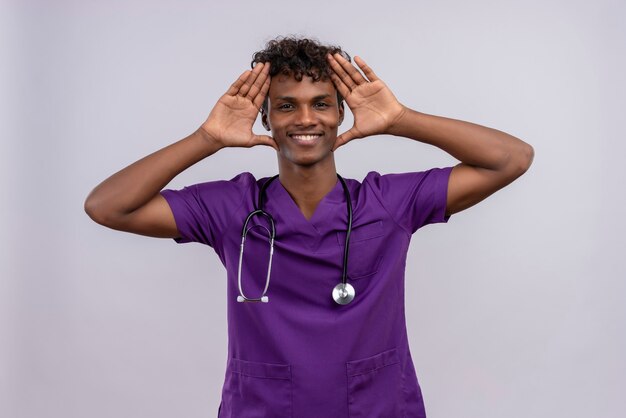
column 306, row 161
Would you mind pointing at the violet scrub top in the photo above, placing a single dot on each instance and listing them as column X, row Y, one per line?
column 302, row 355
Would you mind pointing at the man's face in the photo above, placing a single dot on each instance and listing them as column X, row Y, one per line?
column 303, row 117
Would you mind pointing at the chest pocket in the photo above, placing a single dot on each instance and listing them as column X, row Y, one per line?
column 365, row 252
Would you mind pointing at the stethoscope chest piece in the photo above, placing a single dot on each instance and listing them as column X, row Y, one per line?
column 343, row 293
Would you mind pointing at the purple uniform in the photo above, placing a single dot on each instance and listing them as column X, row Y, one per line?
column 302, row 355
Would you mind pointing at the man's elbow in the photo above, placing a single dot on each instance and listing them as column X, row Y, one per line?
column 92, row 210
column 520, row 160
column 526, row 157
column 98, row 212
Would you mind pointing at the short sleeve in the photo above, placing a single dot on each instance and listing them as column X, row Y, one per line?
column 413, row 199
column 203, row 211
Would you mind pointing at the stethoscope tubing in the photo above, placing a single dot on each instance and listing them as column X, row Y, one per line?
column 272, row 236
column 344, row 275
column 343, row 293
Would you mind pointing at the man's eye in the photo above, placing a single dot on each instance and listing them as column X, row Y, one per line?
column 285, row 106
column 321, row 105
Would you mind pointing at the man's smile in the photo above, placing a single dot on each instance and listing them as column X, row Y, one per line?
column 305, row 137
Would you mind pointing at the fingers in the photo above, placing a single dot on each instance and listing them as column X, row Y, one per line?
column 344, row 138
column 341, row 87
column 350, row 79
column 369, row 73
column 259, row 83
column 260, row 97
column 252, row 78
column 266, row 140
column 347, row 72
column 250, row 83
column 234, row 88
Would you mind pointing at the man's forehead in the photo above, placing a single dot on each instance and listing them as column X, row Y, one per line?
column 287, row 85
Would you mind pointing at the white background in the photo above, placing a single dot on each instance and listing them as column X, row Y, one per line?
column 515, row 308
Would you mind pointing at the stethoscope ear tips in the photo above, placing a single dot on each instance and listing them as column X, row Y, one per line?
column 265, row 299
column 239, row 298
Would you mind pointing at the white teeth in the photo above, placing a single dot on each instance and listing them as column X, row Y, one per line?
column 305, row 137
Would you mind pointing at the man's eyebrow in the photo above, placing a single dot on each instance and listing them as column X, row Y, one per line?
column 291, row 98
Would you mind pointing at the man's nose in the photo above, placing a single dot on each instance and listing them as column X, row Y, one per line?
column 305, row 116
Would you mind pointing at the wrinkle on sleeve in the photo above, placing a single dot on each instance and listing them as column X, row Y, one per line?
column 413, row 199
column 203, row 211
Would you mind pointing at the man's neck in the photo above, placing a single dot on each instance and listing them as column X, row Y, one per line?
column 307, row 186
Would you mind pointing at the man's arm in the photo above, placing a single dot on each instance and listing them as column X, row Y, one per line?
column 490, row 159
column 130, row 201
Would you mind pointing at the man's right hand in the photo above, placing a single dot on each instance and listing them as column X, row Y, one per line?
column 230, row 122
column 129, row 200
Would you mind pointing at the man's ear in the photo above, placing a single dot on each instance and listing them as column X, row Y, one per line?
column 341, row 112
column 264, row 120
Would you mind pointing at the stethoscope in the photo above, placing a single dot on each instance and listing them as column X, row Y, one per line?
column 343, row 293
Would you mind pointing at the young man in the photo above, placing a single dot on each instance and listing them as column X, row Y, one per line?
column 331, row 340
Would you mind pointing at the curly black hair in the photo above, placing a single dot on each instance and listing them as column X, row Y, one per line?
column 298, row 57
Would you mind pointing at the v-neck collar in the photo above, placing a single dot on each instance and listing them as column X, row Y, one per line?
column 289, row 217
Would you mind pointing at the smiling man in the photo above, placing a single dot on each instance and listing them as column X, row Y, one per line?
column 331, row 339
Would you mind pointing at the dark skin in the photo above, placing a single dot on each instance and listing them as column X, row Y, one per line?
column 303, row 118
column 490, row 159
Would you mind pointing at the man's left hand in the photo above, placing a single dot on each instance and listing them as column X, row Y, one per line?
column 372, row 103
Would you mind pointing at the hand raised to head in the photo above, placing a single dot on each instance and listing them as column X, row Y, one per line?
column 372, row 103
column 231, row 120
